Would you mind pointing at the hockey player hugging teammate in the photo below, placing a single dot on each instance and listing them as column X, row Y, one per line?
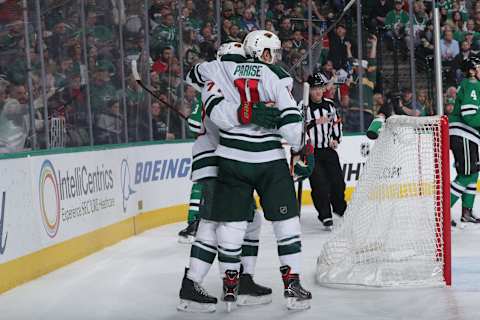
column 193, row 297
column 252, row 158
column 464, row 139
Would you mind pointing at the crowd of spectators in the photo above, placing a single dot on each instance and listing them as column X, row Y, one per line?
column 168, row 39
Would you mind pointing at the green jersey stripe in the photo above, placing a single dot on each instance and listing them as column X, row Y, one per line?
column 204, row 162
column 291, row 118
column 249, row 146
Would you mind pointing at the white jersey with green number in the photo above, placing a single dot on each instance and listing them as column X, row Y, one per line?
column 249, row 81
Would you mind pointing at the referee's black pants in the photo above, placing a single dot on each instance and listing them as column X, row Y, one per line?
column 328, row 186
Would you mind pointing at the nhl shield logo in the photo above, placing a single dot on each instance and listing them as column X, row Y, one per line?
column 365, row 149
column 284, row 210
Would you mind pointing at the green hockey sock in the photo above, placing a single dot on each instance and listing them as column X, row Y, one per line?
column 464, row 187
column 195, row 197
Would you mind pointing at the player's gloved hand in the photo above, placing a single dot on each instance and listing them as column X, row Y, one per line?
column 304, row 162
column 259, row 114
column 375, row 128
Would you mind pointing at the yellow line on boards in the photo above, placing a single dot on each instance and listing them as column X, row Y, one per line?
column 34, row 265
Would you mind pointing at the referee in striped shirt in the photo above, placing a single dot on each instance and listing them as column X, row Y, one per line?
column 325, row 132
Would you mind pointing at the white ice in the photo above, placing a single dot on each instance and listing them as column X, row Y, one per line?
column 139, row 278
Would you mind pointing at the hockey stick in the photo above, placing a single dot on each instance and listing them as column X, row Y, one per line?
column 317, row 43
column 306, row 96
column 136, row 75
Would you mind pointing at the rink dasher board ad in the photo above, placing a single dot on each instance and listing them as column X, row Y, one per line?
column 59, row 207
column 52, row 198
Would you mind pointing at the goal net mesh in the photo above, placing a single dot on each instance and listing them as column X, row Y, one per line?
column 391, row 233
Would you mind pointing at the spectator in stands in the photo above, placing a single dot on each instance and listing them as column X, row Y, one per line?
column 406, row 106
column 396, row 22
column 165, row 34
column 449, row 49
column 366, row 84
column 159, row 123
column 424, row 105
column 298, row 41
column 13, row 126
column 102, row 91
column 458, row 61
column 76, row 114
column 379, row 13
column 285, row 30
column 247, row 21
column 235, row 34
column 109, row 124
column 339, row 46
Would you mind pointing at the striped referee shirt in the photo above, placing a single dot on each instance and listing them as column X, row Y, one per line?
column 324, row 123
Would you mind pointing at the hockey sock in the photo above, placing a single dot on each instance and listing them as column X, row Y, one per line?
column 464, row 187
column 250, row 244
column 289, row 244
column 195, row 197
column 468, row 196
column 203, row 250
column 230, row 238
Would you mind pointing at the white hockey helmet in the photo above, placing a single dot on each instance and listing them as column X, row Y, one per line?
column 230, row 48
column 256, row 42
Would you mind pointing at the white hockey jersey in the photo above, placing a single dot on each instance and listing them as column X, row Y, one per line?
column 242, row 81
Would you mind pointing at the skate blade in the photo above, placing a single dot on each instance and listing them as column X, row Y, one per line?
column 229, row 306
column 248, row 300
column 195, row 307
column 186, row 240
column 294, row 304
column 330, row 228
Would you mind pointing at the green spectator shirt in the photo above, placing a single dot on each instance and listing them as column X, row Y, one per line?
column 164, row 36
column 101, row 96
column 392, row 18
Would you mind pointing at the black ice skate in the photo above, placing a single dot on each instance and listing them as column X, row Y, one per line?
column 187, row 235
column 230, row 288
column 327, row 224
column 297, row 297
column 251, row 293
column 194, row 298
column 467, row 216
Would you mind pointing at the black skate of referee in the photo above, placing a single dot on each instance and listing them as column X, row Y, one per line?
column 325, row 132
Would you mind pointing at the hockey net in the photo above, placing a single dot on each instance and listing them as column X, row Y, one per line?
column 396, row 230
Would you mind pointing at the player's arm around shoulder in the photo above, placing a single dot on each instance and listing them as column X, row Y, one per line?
column 290, row 124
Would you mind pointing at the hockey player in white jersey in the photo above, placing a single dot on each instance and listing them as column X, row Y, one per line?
column 252, row 158
column 193, row 298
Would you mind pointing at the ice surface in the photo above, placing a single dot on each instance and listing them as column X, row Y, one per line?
column 139, row 278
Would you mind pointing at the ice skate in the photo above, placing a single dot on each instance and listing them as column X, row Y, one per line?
column 194, row 298
column 327, row 224
column 230, row 288
column 187, row 235
column 251, row 293
column 297, row 297
column 467, row 216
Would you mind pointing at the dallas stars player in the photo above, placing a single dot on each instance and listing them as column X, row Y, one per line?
column 187, row 235
column 252, row 158
column 193, row 298
column 464, row 139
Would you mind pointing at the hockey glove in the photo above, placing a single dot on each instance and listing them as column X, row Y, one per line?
column 375, row 128
column 304, row 162
column 259, row 114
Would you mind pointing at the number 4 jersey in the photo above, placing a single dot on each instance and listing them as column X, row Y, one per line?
column 465, row 117
column 232, row 81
